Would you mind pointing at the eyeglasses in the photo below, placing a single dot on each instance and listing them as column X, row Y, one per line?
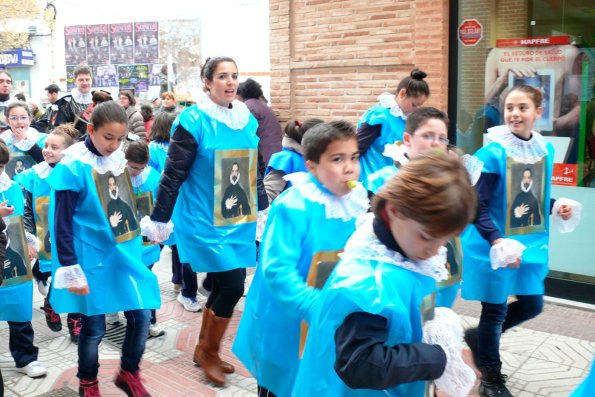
column 432, row 138
column 19, row 118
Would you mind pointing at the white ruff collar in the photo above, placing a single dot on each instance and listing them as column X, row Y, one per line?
column 528, row 152
column 352, row 205
column 25, row 144
column 79, row 97
column 5, row 182
column 364, row 245
column 397, row 152
column 235, row 118
column 42, row 169
column 387, row 100
column 116, row 163
column 140, row 179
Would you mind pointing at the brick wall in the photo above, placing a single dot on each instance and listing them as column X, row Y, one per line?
column 332, row 58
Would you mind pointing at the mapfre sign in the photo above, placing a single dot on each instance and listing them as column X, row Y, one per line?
column 470, row 32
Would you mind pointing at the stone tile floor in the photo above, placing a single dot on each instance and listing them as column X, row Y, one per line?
column 547, row 357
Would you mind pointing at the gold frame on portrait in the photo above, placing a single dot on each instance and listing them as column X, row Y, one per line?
column 252, row 156
column 149, row 197
column 512, row 189
column 16, row 222
column 42, row 227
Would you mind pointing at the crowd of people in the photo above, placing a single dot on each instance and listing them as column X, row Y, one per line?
column 363, row 235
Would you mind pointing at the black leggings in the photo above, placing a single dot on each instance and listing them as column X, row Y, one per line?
column 228, row 288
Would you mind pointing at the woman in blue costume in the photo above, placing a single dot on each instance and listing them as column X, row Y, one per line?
column 145, row 181
column 16, row 299
column 95, row 270
column 367, row 332
column 493, row 268
column 385, row 122
column 289, row 160
column 307, row 228
column 23, row 141
column 213, row 146
column 159, row 137
column 37, row 196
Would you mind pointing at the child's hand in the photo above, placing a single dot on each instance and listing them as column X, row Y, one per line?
column 5, row 210
column 565, row 212
column 79, row 290
column 32, row 252
column 19, row 134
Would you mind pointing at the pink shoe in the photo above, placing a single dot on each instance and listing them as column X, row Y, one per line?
column 131, row 384
column 89, row 388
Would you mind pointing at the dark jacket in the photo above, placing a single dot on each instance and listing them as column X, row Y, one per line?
column 269, row 129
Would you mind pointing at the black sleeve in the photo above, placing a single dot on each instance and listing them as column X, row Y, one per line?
column 483, row 222
column 35, row 152
column 64, row 212
column 28, row 217
column 552, row 202
column 43, row 124
column 263, row 201
column 64, row 114
column 366, row 134
column 364, row 362
column 180, row 157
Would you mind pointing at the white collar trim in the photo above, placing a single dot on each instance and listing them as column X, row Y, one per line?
column 25, row 144
column 116, row 163
column 5, row 182
column 42, row 169
column 352, row 205
column 387, row 100
column 528, row 152
column 365, row 245
column 81, row 98
column 139, row 180
column 235, row 118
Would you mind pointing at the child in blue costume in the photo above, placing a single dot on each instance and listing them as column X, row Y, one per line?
column 587, row 387
column 370, row 333
column 23, row 141
column 16, row 298
column 37, row 193
column 319, row 213
column 209, row 184
column 145, row 181
column 289, row 160
column 516, row 157
column 97, row 250
column 159, row 140
column 385, row 122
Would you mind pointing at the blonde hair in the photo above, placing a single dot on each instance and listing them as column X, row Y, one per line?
column 433, row 189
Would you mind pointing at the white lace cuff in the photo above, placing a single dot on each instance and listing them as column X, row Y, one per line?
column 446, row 331
column 156, row 231
column 32, row 241
column 70, row 277
column 261, row 223
column 505, row 252
column 567, row 226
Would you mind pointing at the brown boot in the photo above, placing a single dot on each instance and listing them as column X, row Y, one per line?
column 206, row 354
column 226, row 367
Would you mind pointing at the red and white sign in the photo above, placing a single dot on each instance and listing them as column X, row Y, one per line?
column 470, row 32
column 565, row 174
column 533, row 41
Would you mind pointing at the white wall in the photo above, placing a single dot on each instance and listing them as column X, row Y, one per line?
column 236, row 28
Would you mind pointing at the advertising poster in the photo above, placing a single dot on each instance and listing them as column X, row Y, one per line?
column 134, row 77
column 75, row 45
column 146, row 46
column 97, row 44
column 106, row 76
column 70, row 77
column 122, row 45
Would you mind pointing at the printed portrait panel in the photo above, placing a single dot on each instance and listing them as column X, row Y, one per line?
column 543, row 80
column 18, row 163
column 144, row 207
column 17, row 265
column 454, row 262
column 526, row 207
column 235, row 187
column 42, row 227
column 117, row 201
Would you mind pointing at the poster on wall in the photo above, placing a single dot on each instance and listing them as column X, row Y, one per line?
column 97, row 44
column 70, row 77
column 106, row 76
column 134, row 77
column 122, row 45
column 75, row 45
column 146, row 47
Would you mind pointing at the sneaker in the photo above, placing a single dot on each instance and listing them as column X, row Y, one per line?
column 112, row 318
column 131, row 384
column 155, row 331
column 89, row 388
column 74, row 329
column 190, row 304
column 203, row 291
column 43, row 287
column 52, row 318
column 33, row 370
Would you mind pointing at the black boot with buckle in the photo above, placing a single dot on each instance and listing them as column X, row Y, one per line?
column 493, row 382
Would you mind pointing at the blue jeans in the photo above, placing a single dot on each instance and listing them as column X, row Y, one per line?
column 20, row 342
column 93, row 329
column 498, row 318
